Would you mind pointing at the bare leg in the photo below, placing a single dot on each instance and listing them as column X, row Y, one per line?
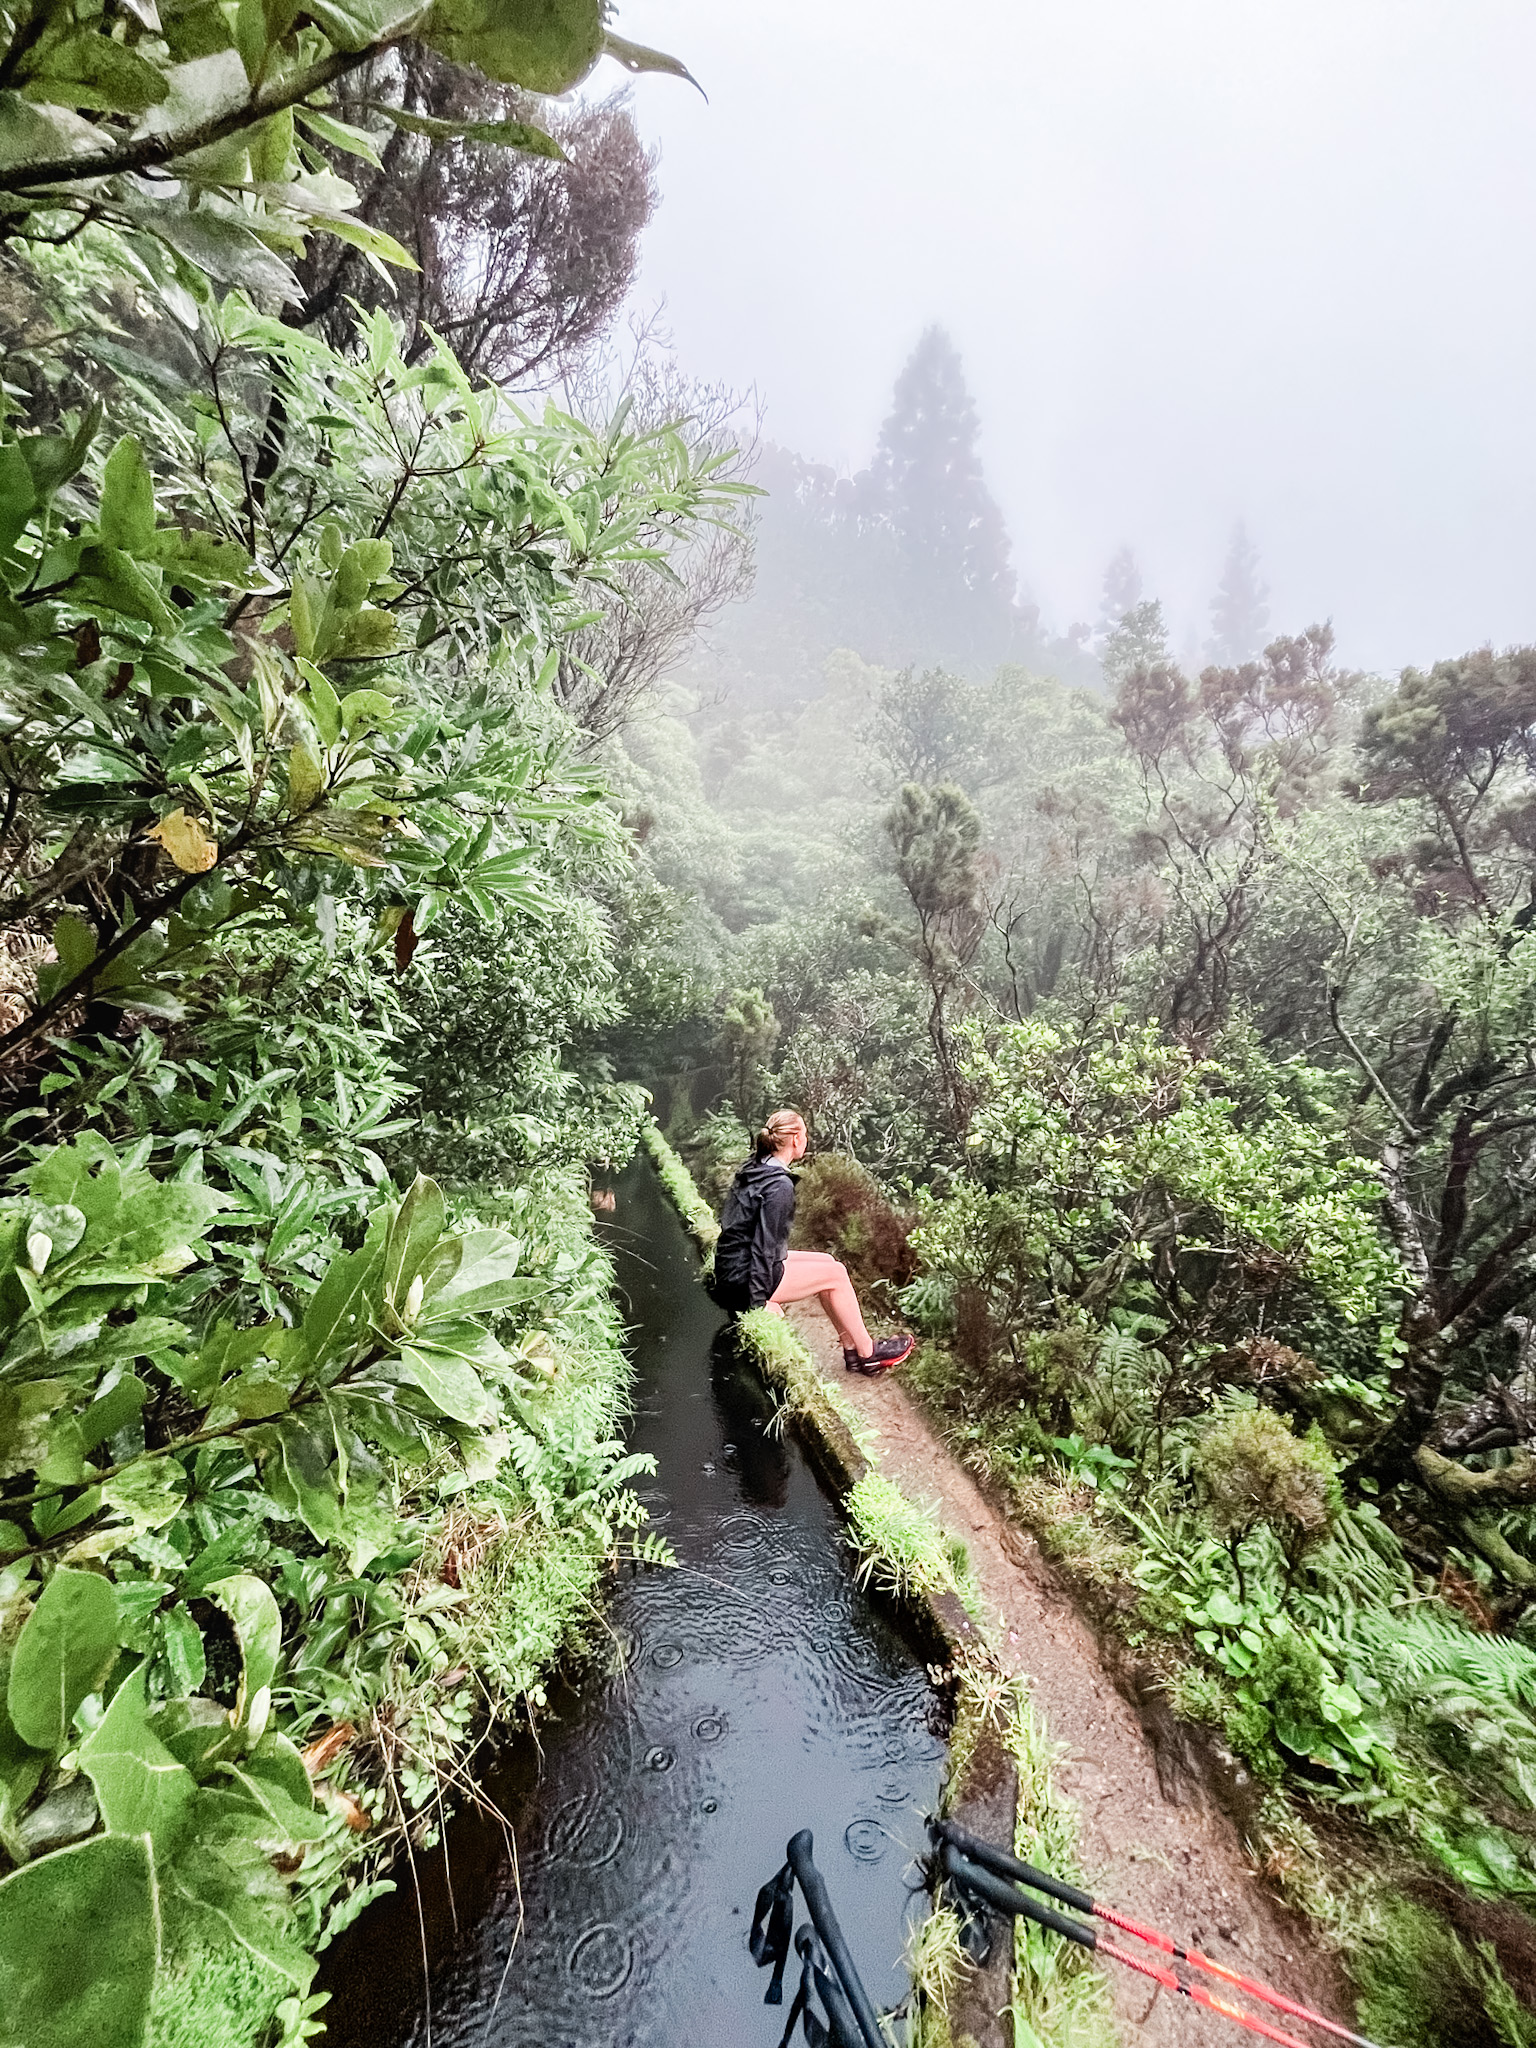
column 818, row 1273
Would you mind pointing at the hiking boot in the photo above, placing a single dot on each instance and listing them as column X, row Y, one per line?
column 888, row 1352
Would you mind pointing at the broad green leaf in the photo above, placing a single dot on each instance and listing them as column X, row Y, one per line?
column 128, row 498
column 249, row 1604
column 342, row 1308
column 92, row 70
column 140, row 1787
column 21, row 1766
column 79, row 1946
column 31, row 135
column 75, row 943
column 195, row 558
column 294, row 1819
column 306, row 1465
column 546, row 46
column 487, row 1278
column 340, row 134
column 355, row 24
column 150, row 1492
column 444, row 1368
column 206, row 1882
column 306, row 777
column 165, row 1219
column 113, row 1410
column 275, row 1760
column 18, row 495
column 180, row 1643
column 223, row 249
column 324, row 707
column 85, row 1176
column 414, row 1231
column 65, row 1650
column 372, row 241
column 197, row 1733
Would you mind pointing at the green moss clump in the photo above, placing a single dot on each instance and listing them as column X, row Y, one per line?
column 696, row 1213
column 1421, row 1987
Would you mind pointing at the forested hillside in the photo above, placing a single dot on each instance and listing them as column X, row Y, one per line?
column 1167, row 1044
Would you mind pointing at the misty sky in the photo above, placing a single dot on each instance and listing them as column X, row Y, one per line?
column 1202, row 258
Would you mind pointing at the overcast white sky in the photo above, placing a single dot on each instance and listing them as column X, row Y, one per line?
column 1202, row 258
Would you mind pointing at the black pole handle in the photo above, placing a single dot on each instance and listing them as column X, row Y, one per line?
column 824, row 1920
column 1009, row 1866
column 997, row 1892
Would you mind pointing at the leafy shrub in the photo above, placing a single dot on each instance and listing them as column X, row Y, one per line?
column 841, row 1209
column 1255, row 1472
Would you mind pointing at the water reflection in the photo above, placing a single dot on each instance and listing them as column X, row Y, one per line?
column 752, row 1691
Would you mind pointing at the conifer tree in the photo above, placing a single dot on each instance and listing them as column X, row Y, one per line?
column 926, row 480
column 1121, row 592
column 1139, row 641
column 1239, row 610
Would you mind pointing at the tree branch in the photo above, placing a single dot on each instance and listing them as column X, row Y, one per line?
column 150, row 151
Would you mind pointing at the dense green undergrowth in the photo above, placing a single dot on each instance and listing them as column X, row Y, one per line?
column 309, row 1373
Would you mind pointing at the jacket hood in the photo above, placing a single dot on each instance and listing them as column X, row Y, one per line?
column 755, row 1171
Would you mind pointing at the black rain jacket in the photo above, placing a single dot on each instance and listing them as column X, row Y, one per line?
column 754, row 1235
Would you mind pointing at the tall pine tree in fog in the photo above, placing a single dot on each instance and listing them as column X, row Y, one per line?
column 927, row 484
column 1121, row 592
column 1239, row 611
column 1140, row 640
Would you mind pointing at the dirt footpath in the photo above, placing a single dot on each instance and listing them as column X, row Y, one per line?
column 1180, row 1867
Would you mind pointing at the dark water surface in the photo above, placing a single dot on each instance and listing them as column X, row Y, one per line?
column 752, row 1692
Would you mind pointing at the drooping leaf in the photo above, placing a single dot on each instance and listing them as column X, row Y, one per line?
column 504, row 134
column 636, row 57
column 186, row 841
column 67, row 1646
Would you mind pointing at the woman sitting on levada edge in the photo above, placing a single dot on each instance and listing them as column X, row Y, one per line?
column 754, row 1267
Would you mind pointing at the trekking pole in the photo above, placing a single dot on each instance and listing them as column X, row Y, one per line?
column 813, row 1884
column 1069, row 1894
column 990, row 1884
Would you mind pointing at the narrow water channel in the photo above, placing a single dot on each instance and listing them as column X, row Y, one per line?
column 753, row 1691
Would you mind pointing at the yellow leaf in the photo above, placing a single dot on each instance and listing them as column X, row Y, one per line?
column 306, row 777
column 186, row 842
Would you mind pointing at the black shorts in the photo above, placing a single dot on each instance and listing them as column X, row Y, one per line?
column 735, row 1300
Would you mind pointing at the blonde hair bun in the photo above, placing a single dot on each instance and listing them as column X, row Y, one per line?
column 781, row 1125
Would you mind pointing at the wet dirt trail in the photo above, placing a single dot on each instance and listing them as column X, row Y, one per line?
column 751, row 1692
column 1180, row 1867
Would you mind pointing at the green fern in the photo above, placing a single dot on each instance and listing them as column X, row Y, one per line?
column 1472, row 1697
